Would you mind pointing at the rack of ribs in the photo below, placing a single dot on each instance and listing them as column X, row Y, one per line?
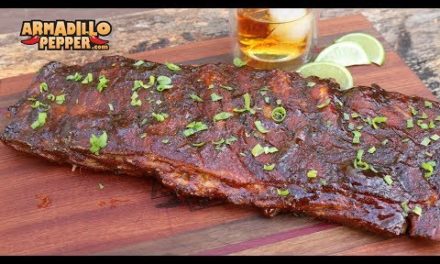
column 362, row 157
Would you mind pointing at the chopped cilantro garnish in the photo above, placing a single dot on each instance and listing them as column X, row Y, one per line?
column 260, row 127
column 238, row 62
column 196, row 98
column 282, row 192
column 135, row 101
column 43, row 87
column 372, row 150
column 102, row 83
column 172, row 66
column 279, row 114
column 59, row 99
column 268, row 167
column 429, row 168
column 312, row 173
column 356, row 137
column 222, row 116
column 98, row 142
column 215, row 97
column 409, row 123
column 194, row 127
column 75, row 77
column 88, row 78
column 41, row 120
column 428, row 104
column 160, row 117
column 388, row 179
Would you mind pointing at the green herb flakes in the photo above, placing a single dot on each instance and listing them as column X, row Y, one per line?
column 405, row 207
column 41, row 120
column 228, row 88
column 267, row 99
column 312, row 173
column 164, row 83
column 102, row 83
column 43, row 87
column 384, row 142
column 414, row 112
column 346, row 116
column 98, row 142
column 417, row 210
column 356, row 137
column 279, row 114
column 59, row 99
column 260, row 127
column 238, row 62
column 409, row 123
column 160, row 117
column 422, row 125
column 138, row 84
column 268, row 167
column 428, row 104
column 51, row 97
column 431, row 124
column 283, row 192
column 199, row 144
column 194, row 127
column 372, row 150
column 135, row 101
column 247, row 105
column 358, row 162
column 423, row 116
column 165, row 141
column 88, row 78
column 324, row 104
column 257, row 150
column 354, row 115
column 388, row 180
column 435, row 137
column 75, row 77
column 196, row 98
column 437, row 118
column 138, row 63
column 425, row 142
column 230, row 140
column 172, row 66
column 378, row 119
column 222, row 116
column 429, row 168
column 215, row 97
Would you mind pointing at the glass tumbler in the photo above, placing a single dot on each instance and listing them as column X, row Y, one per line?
column 268, row 38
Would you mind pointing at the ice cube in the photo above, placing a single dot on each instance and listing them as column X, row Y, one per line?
column 293, row 31
column 286, row 14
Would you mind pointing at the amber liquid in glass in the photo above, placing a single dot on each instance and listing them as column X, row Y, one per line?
column 268, row 44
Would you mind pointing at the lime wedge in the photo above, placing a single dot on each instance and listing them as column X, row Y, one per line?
column 326, row 70
column 370, row 44
column 344, row 53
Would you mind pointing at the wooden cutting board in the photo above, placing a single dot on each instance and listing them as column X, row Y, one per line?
column 48, row 209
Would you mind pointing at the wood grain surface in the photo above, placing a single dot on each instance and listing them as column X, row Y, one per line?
column 50, row 209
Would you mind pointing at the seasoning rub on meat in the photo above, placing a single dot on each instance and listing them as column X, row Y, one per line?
column 268, row 138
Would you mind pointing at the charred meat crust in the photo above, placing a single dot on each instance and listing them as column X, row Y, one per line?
column 384, row 190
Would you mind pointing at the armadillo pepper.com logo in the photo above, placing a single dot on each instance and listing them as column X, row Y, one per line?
column 66, row 35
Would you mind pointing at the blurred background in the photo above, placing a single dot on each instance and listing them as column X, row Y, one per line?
column 414, row 34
